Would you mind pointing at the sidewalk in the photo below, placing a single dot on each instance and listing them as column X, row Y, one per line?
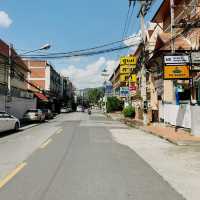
column 179, row 137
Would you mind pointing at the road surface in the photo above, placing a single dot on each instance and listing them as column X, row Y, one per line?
column 74, row 157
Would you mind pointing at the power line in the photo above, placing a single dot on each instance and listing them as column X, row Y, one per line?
column 68, row 55
column 126, row 22
column 129, row 22
column 82, row 50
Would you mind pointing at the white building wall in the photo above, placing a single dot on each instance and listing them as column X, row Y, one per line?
column 18, row 106
column 47, row 78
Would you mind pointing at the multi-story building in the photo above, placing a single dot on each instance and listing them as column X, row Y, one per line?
column 14, row 95
column 46, row 82
column 173, row 99
column 67, row 92
column 121, row 78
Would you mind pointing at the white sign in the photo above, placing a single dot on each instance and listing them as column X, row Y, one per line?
column 195, row 57
column 176, row 59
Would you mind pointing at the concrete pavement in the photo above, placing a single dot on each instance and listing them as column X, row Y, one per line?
column 80, row 160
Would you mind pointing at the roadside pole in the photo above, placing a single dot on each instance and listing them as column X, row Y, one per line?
column 105, row 75
column 144, row 84
column 172, row 26
column 8, row 76
column 9, row 67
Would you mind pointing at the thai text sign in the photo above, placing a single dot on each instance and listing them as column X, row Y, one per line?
column 177, row 72
column 124, row 69
column 176, row 59
column 128, row 60
column 126, row 78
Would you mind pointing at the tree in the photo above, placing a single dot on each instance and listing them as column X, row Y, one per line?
column 94, row 95
column 114, row 104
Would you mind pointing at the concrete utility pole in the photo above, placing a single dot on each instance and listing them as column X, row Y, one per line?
column 9, row 67
column 8, row 93
column 144, row 84
column 172, row 25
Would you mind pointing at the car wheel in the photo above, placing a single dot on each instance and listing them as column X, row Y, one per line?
column 16, row 126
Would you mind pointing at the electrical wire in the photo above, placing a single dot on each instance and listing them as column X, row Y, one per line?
column 69, row 55
column 126, row 22
column 129, row 21
column 87, row 49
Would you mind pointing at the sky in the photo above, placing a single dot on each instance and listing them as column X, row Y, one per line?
column 67, row 26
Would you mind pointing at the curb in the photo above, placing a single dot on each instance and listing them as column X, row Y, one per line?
column 175, row 142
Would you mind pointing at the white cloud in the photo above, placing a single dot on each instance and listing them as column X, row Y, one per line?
column 90, row 76
column 5, row 20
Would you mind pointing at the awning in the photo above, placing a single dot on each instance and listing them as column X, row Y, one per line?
column 41, row 96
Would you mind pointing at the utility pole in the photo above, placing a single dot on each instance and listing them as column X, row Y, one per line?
column 144, row 82
column 9, row 67
column 172, row 26
column 8, row 93
column 145, row 6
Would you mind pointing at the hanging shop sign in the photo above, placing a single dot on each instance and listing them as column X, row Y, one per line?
column 125, row 69
column 128, row 60
column 179, row 59
column 132, row 87
column 124, row 91
column 195, row 56
column 177, row 72
column 125, row 78
column 108, row 90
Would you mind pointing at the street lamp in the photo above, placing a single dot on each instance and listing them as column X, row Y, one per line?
column 44, row 47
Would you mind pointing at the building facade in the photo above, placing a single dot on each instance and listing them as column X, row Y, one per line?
column 15, row 99
column 172, row 89
column 46, row 81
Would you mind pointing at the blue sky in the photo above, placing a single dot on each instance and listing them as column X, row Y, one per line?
column 69, row 25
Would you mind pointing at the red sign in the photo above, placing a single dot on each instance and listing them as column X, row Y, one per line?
column 132, row 87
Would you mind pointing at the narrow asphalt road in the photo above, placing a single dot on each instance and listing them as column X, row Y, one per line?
column 81, row 161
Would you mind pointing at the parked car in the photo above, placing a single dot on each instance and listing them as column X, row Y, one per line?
column 48, row 113
column 80, row 109
column 8, row 122
column 34, row 115
column 64, row 110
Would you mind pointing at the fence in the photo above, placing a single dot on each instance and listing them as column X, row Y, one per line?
column 177, row 115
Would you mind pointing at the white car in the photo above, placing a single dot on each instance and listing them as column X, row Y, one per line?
column 8, row 122
column 34, row 115
column 79, row 109
column 64, row 110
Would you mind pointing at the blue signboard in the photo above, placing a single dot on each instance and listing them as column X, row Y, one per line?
column 108, row 89
column 124, row 91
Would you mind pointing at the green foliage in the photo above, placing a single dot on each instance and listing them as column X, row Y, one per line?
column 129, row 111
column 114, row 104
column 94, row 94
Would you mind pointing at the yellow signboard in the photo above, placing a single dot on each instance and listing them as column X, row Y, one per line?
column 176, row 72
column 128, row 60
column 124, row 69
column 125, row 78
